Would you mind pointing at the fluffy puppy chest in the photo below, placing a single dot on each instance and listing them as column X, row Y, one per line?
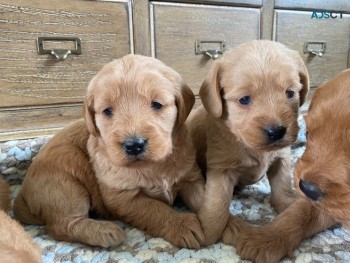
column 156, row 180
column 245, row 164
column 252, row 167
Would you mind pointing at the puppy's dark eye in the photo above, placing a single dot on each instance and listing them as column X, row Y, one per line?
column 156, row 105
column 290, row 94
column 245, row 100
column 108, row 112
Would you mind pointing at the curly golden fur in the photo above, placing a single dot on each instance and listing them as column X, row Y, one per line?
column 244, row 129
column 16, row 246
column 128, row 160
column 322, row 177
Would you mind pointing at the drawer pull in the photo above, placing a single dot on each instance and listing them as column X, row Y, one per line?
column 315, row 48
column 60, row 54
column 212, row 53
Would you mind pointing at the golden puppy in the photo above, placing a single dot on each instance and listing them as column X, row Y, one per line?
column 16, row 246
column 5, row 199
column 248, row 119
column 322, row 177
column 127, row 161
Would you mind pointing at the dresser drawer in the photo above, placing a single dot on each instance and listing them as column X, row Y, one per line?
column 314, row 5
column 176, row 28
column 30, row 82
column 235, row 2
column 295, row 28
column 36, row 121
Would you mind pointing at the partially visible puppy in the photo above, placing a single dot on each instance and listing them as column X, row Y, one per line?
column 243, row 131
column 322, row 177
column 128, row 160
column 5, row 200
column 16, row 246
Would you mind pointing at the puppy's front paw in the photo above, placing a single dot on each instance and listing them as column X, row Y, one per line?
column 232, row 230
column 262, row 245
column 185, row 231
column 107, row 234
column 86, row 230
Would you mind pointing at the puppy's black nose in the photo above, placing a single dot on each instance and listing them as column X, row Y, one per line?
column 275, row 133
column 310, row 190
column 135, row 145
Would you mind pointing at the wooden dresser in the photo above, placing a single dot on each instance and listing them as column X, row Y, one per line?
column 41, row 93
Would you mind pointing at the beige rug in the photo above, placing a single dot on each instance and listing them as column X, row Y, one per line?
column 251, row 203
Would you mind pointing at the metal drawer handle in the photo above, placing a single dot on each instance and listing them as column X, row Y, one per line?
column 60, row 54
column 212, row 53
column 311, row 48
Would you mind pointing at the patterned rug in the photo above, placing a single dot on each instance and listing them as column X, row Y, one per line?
column 250, row 203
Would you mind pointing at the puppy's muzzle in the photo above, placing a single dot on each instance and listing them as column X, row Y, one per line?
column 135, row 146
column 275, row 133
column 310, row 190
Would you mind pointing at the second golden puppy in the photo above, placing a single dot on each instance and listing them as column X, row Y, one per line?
column 127, row 161
column 321, row 176
column 16, row 246
column 250, row 98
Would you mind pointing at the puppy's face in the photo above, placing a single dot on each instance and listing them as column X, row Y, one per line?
column 323, row 173
column 256, row 89
column 136, row 106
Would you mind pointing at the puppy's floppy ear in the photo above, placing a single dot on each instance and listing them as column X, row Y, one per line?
column 304, row 79
column 210, row 91
column 184, row 102
column 89, row 115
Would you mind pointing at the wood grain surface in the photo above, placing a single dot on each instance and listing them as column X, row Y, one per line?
column 335, row 5
column 29, row 80
column 294, row 28
column 39, row 94
column 176, row 27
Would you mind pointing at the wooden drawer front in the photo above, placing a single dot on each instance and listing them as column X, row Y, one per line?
column 176, row 27
column 294, row 28
column 236, row 2
column 334, row 5
column 34, row 122
column 29, row 82
column 27, row 78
